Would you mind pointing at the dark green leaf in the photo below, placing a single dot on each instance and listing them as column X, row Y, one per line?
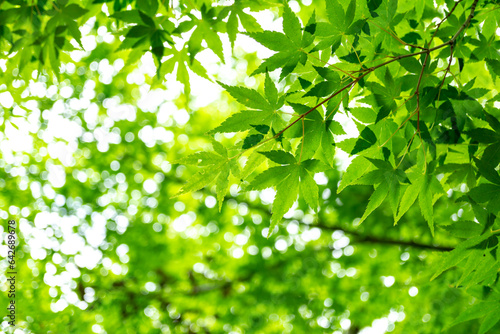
column 139, row 31
column 280, row 157
column 252, row 140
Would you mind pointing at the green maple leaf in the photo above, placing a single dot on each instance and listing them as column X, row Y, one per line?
column 236, row 12
column 340, row 20
column 490, row 310
column 356, row 169
column 264, row 116
column 427, row 189
column 461, row 252
column 182, row 60
column 215, row 166
column 248, row 97
column 376, row 199
column 289, row 180
column 289, row 45
column 286, row 194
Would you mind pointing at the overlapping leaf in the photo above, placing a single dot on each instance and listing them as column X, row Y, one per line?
column 289, row 179
column 215, row 166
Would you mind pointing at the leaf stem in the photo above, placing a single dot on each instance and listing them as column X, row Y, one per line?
column 303, row 140
column 399, row 127
column 328, row 64
column 446, row 72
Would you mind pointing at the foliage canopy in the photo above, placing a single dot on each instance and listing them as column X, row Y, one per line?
column 103, row 113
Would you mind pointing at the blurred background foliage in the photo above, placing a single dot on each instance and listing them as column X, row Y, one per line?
column 86, row 170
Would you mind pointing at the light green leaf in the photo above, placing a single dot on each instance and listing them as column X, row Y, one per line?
column 309, row 189
column 249, row 22
column 74, row 31
column 335, row 13
column 327, row 147
column 409, row 196
column 248, row 97
column 363, row 114
column 198, row 69
column 200, row 159
column 291, row 25
column 270, row 178
column 457, row 255
column 473, row 261
column 278, row 60
column 280, row 157
column 217, row 146
column 222, row 184
column 426, row 204
column 464, row 228
column 311, row 140
column 491, row 319
column 394, row 193
column 270, row 90
column 213, row 42
column 201, row 179
column 286, row 194
column 272, row 40
column 478, row 310
column 371, row 178
column 255, row 160
column 375, row 200
column 129, row 16
column 314, row 166
column 241, row 121
column 232, row 27
column 358, row 167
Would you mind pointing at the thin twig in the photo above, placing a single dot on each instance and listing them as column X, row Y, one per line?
column 444, row 19
column 446, row 72
column 399, row 127
column 330, row 65
column 466, row 23
column 303, row 140
column 406, row 149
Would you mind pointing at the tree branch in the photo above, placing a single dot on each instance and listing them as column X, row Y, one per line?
column 367, row 71
column 360, row 237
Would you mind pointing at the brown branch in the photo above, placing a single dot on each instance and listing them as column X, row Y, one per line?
column 360, row 237
column 417, row 91
column 367, row 71
column 303, row 115
column 466, row 23
column 446, row 72
column 444, row 19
